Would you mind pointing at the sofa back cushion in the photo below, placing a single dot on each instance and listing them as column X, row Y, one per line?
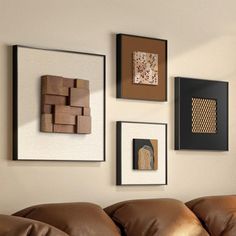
column 218, row 214
column 18, row 226
column 84, row 219
column 163, row 217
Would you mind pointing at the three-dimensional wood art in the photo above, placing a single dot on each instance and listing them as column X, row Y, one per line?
column 65, row 105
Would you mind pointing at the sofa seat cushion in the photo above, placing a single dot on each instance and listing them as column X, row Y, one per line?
column 76, row 219
column 218, row 213
column 18, row 226
column 155, row 217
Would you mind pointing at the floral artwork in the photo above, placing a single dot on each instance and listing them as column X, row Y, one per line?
column 145, row 68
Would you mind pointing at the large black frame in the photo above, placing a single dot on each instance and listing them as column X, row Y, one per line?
column 185, row 90
column 119, row 157
column 15, row 101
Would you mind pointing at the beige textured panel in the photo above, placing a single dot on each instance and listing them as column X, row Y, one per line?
column 204, row 115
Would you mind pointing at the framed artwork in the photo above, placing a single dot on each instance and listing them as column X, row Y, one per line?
column 58, row 105
column 141, row 68
column 201, row 114
column 141, row 153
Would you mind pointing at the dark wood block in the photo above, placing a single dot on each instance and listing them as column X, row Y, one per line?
column 46, row 123
column 64, row 129
column 68, row 83
column 79, row 97
column 69, row 110
column 64, row 119
column 54, row 100
column 46, row 109
column 53, row 85
column 82, row 83
column 83, row 124
column 86, row 111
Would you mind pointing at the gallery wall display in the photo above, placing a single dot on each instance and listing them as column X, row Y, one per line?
column 141, row 153
column 201, row 114
column 58, row 105
column 141, row 68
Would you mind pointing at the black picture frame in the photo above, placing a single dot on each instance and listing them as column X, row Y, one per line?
column 119, row 171
column 185, row 90
column 125, row 66
column 15, row 138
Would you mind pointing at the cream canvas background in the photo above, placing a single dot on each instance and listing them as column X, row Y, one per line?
column 33, row 144
column 201, row 43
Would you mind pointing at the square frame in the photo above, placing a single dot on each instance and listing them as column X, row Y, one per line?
column 125, row 174
column 125, row 46
column 185, row 90
column 33, row 56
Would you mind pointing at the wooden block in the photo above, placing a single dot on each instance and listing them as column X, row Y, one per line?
column 76, row 111
column 83, row 124
column 46, row 109
column 68, row 83
column 46, row 123
column 64, row 129
column 62, row 109
column 79, row 97
column 53, row 85
column 54, row 100
column 82, row 83
column 64, row 119
column 86, row 111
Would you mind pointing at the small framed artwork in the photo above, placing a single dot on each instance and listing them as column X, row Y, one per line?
column 58, row 105
column 141, row 68
column 141, row 153
column 201, row 114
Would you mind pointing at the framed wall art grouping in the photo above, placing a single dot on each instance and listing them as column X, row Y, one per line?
column 141, row 153
column 141, row 68
column 201, row 114
column 58, row 105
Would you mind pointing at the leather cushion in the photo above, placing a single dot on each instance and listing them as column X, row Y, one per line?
column 18, row 226
column 218, row 213
column 163, row 217
column 73, row 218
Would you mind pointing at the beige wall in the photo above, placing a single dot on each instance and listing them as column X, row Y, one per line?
column 202, row 43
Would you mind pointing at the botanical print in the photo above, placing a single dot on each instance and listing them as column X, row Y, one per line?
column 145, row 154
column 145, row 68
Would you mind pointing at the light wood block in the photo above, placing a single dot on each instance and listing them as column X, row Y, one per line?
column 54, row 100
column 82, row 83
column 79, row 97
column 83, row 124
column 53, row 85
column 64, row 119
column 46, row 123
column 86, row 111
column 64, row 129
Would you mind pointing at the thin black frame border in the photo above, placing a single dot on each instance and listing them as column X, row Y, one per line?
column 177, row 142
column 119, row 66
column 15, row 102
column 119, row 158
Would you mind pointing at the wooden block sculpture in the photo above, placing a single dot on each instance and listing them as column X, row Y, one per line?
column 65, row 105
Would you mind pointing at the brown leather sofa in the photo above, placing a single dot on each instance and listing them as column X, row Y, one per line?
column 204, row 216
